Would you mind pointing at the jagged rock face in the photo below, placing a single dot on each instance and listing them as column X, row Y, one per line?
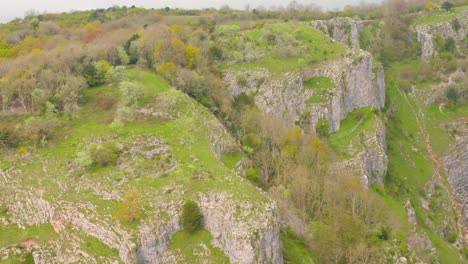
column 425, row 34
column 155, row 236
column 343, row 29
column 358, row 84
column 369, row 159
column 246, row 235
column 457, row 166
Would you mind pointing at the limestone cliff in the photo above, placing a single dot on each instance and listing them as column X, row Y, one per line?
column 358, row 83
column 343, row 29
column 457, row 164
column 367, row 151
column 456, row 29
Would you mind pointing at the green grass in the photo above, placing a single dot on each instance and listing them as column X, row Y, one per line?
column 357, row 121
column 191, row 245
column 11, row 235
column 318, row 82
column 97, row 248
column 308, row 46
column 294, row 249
column 230, row 160
column 438, row 16
column 322, row 87
column 409, row 167
column 188, row 135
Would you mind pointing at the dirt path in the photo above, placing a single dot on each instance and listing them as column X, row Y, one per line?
column 438, row 169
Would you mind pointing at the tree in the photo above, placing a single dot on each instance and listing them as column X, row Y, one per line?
column 452, row 95
column 430, row 5
column 131, row 93
column 167, row 70
column 192, row 218
column 131, row 207
column 447, row 6
column 34, row 23
column 191, row 53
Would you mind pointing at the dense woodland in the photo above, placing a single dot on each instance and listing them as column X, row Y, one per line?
column 47, row 61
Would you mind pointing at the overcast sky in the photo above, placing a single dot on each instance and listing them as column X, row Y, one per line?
column 11, row 9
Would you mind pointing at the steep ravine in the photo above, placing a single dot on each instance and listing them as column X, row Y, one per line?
column 358, row 82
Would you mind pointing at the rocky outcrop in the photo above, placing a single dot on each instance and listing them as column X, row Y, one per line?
column 457, row 165
column 367, row 150
column 245, row 234
column 446, row 30
column 343, row 29
column 358, row 83
column 155, row 235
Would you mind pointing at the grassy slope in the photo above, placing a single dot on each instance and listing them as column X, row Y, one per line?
column 315, row 46
column 357, row 121
column 438, row 16
column 409, row 166
column 187, row 136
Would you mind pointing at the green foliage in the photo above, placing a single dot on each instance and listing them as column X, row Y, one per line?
column 35, row 23
column 122, row 55
column 242, row 100
column 131, row 93
column 104, row 154
column 95, row 73
column 322, row 128
column 253, row 175
column 192, row 218
column 116, row 75
column 295, row 250
column 215, row 53
column 447, row 6
column 8, row 137
column 131, row 208
column 452, row 95
column 241, row 80
column 131, row 48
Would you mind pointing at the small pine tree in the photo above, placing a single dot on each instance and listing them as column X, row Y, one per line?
column 192, row 218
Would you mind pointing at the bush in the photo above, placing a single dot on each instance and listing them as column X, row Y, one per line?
column 241, row 80
column 322, row 127
column 116, row 75
column 37, row 130
column 131, row 93
column 192, row 218
column 131, row 207
column 8, row 138
column 104, row 154
column 452, row 95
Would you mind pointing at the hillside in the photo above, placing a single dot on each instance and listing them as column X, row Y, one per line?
column 132, row 135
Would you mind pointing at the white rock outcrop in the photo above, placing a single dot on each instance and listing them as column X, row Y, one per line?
column 446, row 30
column 359, row 83
column 343, row 29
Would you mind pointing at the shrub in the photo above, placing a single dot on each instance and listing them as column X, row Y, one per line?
column 104, row 154
column 116, row 75
column 322, row 127
column 192, row 218
column 8, row 137
column 37, row 130
column 131, row 93
column 452, row 94
column 131, row 207
column 241, row 80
